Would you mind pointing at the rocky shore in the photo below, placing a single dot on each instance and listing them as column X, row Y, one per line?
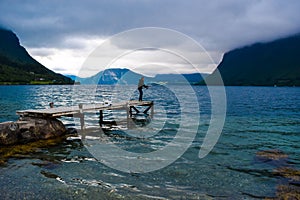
column 28, row 129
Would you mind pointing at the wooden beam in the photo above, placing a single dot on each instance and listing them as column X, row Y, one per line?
column 147, row 109
column 135, row 109
column 80, row 110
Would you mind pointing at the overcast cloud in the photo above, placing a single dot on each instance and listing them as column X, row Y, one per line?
column 61, row 34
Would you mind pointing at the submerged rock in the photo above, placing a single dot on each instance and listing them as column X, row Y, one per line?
column 29, row 129
column 288, row 172
column 287, row 192
column 273, row 154
column 274, row 157
column 290, row 190
column 24, row 150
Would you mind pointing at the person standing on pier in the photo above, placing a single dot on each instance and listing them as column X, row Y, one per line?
column 141, row 85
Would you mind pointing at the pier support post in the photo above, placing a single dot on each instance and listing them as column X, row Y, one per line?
column 129, row 115
column 149, row 107
column 82, row 125
column 101, row 118
column 152, row 111
column 130, row 111
column 81, row 116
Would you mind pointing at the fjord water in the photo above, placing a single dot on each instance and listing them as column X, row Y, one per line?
column 258, row 118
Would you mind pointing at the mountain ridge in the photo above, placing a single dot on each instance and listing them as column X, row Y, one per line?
column 125, row 76
column 275, row 63
column 18, row 67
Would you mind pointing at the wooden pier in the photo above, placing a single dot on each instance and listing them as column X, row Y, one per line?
column 79, row 111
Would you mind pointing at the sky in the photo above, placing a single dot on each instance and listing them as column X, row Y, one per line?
column 63, row 34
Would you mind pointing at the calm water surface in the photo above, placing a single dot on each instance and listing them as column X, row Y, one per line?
column 258, row 118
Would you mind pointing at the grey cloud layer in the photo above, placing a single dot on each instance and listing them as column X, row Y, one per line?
column 218, row 25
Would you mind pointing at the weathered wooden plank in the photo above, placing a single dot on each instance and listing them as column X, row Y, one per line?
column 73, row 110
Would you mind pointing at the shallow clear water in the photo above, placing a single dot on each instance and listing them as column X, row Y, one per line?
column 258, row 118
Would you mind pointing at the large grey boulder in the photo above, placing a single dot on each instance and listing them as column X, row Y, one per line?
column 28, row 129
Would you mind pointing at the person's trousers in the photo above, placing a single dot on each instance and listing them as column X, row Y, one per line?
column 141, row 94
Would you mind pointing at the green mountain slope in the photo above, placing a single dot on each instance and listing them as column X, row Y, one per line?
column 18, row 67
column 263, row 64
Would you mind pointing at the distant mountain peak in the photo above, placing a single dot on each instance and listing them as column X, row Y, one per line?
column 123, row 76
